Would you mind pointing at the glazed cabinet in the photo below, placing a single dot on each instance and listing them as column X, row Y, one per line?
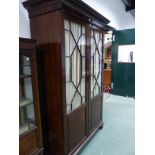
column 70, row 37
column 30, row 141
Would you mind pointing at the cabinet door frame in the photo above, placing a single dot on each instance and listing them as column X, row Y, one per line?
column 72, row 18
column 98, row 98
column 30, row 54
column 88, row 26
column 85, row 105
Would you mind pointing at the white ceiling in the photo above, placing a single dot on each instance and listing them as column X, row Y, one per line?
column 114, row 10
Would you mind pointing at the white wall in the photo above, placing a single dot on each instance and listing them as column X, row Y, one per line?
column 24, row 23
column 114, row 10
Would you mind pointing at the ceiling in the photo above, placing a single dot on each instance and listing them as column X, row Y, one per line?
column 115, row 11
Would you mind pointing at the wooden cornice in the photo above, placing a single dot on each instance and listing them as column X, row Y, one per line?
column 39, row 7
column 28, row 40
column 109, row 28
column 26, row 43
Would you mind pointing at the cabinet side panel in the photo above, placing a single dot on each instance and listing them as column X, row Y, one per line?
column 46, row 30
column 96, row 74
column 28, row 144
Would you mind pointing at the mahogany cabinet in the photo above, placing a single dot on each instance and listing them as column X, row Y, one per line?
column 30, row 137
column 70, row 37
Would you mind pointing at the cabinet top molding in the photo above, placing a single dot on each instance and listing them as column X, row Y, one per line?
column 27, row 44
column 39, row 7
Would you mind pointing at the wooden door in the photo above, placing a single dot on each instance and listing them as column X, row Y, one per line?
column 95, row 83
column 75, row 81
column 123, row 73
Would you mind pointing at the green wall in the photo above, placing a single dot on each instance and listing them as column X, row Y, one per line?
column 123, row 74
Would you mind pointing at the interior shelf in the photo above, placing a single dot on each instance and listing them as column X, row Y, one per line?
column 25, row 128
column 24, row 76
column 24, row 102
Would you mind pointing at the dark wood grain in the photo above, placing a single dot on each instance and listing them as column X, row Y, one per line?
column 76, row 128
column 96, row 115
column 28, row 144
column 49, row 54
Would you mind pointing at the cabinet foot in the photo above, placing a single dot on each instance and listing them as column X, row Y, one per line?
column 101, row 126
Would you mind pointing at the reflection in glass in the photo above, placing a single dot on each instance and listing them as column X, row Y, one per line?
column 26, row 105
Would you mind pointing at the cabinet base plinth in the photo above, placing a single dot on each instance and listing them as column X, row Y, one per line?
column 83, row 144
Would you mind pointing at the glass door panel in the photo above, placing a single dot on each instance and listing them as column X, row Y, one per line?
column 96, row 62
column 26, row 104
column 75, row 60
column 76, row 66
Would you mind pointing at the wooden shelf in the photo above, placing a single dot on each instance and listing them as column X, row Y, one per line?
column 25, row 128
column 24, row 65
column 24, row 102
column 24, row 76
